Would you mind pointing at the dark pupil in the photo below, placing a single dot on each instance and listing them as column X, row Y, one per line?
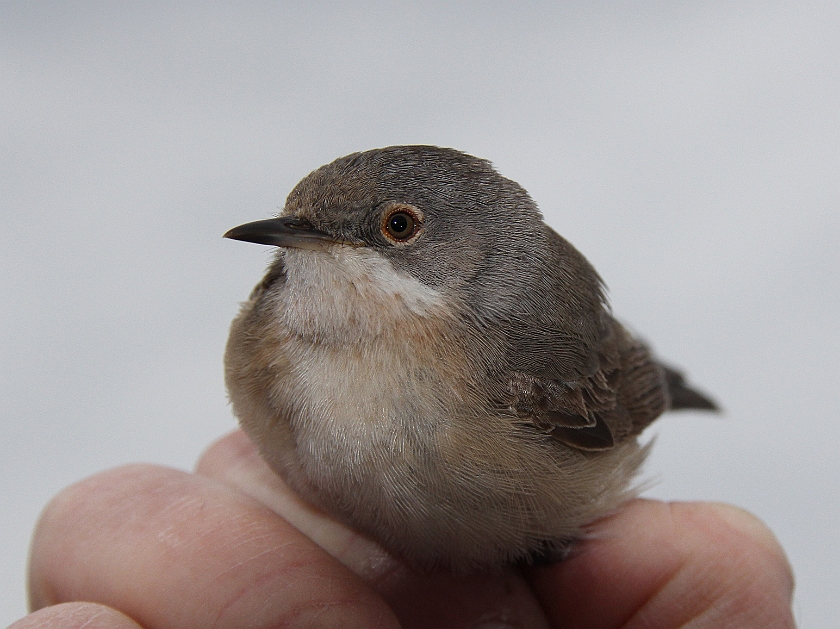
column 400, row 224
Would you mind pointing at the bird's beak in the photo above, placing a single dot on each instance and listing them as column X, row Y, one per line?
column 284, row 231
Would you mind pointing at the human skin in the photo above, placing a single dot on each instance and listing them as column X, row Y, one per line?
column 232, row 546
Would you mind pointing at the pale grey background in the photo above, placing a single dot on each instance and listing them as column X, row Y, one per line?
column 690, row 150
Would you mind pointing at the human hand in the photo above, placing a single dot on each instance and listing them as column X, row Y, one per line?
column 155, row 547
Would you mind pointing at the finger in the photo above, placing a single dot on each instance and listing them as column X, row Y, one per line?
column 178, row 551
column 235, row 461
column 671, row 565
column 76, row 616
column 419, row 600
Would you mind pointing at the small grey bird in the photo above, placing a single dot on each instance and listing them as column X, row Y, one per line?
column 432, row 364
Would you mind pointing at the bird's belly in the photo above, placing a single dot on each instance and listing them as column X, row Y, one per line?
column 366, row 406
column 401, row 447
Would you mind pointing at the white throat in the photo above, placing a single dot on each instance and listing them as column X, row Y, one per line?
column 351, row 294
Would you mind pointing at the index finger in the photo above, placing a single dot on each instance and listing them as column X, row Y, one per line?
column 176, row 550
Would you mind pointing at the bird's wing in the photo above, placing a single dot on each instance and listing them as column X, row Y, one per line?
column 624, row 394
column 578, row 374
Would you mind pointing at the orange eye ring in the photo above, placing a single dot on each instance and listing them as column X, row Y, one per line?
column 401, row 223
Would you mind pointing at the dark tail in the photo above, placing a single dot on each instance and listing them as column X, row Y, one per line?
column 683, row 396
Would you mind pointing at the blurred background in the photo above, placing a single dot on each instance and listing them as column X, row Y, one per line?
column 690, row 150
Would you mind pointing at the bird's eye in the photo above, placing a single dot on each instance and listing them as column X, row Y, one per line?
column 400, row 224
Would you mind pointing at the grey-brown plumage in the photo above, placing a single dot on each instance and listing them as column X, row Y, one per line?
column 432, row 364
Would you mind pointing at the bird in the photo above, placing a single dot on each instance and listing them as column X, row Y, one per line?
column 430, row 363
